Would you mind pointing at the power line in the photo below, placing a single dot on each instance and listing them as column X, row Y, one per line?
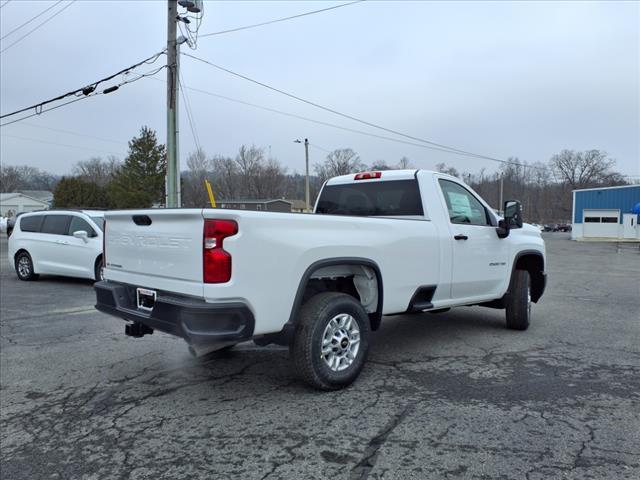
column 47, row 110
column 86, row 91
column 32, row 19
column 104, row 92
column 364, row 122
column 352, row 130
column 307, row 119
column 277, row 20
column 58, row 144
column 321, row 148
column 39, row 25
column 187, row 105
column 327, row 124
column 69, row 132
column 5, row 3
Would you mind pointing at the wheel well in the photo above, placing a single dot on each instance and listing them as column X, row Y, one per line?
column 98, row 259
column 534, row 264
column 15, row 257
column 360, row 280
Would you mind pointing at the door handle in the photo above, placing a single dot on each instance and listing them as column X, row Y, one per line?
column 461, row 237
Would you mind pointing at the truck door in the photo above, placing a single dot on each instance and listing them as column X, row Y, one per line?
column 480, row 258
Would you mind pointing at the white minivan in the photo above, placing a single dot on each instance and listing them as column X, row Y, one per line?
column 58, row 242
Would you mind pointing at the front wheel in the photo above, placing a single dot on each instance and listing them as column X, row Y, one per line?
column 518, row 301
column 24, row 267
column 331, row 341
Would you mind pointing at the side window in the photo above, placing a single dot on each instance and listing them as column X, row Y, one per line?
column 463, row 207
column 56, row 224
column 78, row 223
column 31, row 223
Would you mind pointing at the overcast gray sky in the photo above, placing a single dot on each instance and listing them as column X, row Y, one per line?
column 523, row 79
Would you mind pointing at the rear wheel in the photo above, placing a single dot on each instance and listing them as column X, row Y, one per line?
column 518, row 301
column 24, row 267
column 331, row 341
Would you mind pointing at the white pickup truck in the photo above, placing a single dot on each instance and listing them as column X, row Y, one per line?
column 378, row 243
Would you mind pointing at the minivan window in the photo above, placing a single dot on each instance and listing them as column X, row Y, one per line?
column 31, row 223
column 389, row 198
column 78, row 223
column 56, row 224
column 99, row 221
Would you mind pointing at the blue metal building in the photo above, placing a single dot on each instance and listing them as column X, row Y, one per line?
column 606, row 213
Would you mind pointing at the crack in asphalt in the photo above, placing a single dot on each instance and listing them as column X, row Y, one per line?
column 363, row 468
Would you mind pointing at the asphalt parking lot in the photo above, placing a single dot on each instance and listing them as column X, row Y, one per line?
column 452, row 395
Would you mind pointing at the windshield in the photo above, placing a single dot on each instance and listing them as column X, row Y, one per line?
column 390, row 198
column 99, row 221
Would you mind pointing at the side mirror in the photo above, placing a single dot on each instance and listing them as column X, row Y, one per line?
column 513, row 213
column 512, row 218
column 81, row 234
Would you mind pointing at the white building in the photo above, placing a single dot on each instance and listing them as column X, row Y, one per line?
column 13, row 203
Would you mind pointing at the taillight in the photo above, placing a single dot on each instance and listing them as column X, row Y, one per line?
column 367, row 175
column 216, row 262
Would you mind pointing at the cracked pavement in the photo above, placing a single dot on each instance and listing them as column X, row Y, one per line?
column 449, row 395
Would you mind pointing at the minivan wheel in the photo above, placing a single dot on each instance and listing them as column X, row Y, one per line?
column 24, row 267
column 99, row 270
column 331, row 341
column 518, row 301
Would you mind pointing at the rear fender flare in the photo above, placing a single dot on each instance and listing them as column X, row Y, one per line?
column 375, row 317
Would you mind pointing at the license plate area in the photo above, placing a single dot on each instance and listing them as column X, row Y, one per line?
column 145, row 299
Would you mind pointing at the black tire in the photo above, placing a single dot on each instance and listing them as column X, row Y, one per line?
column 97, row 271
column 518, row 301
column 306, row 348
column 24, row 267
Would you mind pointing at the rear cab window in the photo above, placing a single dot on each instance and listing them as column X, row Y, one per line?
column 384, row 199
column 56, row 224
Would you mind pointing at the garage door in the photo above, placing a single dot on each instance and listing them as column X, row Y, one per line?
column 601, row 223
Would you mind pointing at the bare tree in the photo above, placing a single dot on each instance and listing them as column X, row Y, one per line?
column 97, row 171
column 443, row 168
column 249, row 161
column 225, row 177
column 584, row 169
column 380, row 165
column 404, row 163
column 270, row 182
column 197, row 161
column 339, row 162
column 193, row 191
column 13, row 179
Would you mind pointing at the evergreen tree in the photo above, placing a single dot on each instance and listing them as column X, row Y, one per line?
column 140, row 181
column 73, row 192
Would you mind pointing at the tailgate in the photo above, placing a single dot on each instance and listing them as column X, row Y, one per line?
column 155, row 248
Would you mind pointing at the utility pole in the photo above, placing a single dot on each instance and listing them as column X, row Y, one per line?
column 306, row 181
column 173, row 169
column 501, row 190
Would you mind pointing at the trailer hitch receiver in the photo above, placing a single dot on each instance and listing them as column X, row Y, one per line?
column 137, row 330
